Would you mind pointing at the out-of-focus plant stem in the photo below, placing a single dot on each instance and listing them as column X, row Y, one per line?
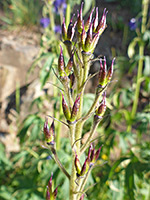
column 68, row 10
column 145, row 4
column 72, row 196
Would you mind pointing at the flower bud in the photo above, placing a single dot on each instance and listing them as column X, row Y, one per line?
column 97, row 154
column 77, row 165
column 69, row 65
column 83, row 36
column 47, row 194
column 90, row 151
column 55, row 193
column 92, row 155
column 49, row 133
column 87, row 47
column 102, row 73
column 82, row 197
column 110, row 71
column 72, row 80
column 85, row 167
column 102, row 23
column 102, row 108
column 50, row 182
column 88, row 22
column 61, row 63
column 80, row 20
column 65, row 108
column 94, row 42
column 95, row 22
column 71, row 29
column 64, row 30
column 51, row 195
column 75, row 109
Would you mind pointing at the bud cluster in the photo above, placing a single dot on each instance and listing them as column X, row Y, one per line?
column 88, row 32
column 89, row 161
column 71, row 116
column 51, row 195
column 104, row 75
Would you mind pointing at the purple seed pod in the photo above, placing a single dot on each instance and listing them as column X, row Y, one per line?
column 97, row 154
column 64, row 30
column 80, row 20
column 82, row 197
column 88, row 41
column 77, row 165
column 102, row 23
column 69, row 65
column 55, row 193
column 110, row 71
column 65, row 108
column 71, row 29
column 75, row 109
column 89, row 20
column 47, row 194
column 95, row 22
column 61, row 63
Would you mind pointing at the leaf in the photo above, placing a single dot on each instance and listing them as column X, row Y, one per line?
column 45, row 71
column 30, row 120
column 131, row 47
column 117, row 163
column 147, row 66
column 36, row 61
column 129, row 180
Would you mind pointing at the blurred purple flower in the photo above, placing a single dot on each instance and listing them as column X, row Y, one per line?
column 60, row 4
column 133, row 24
column 57, row 29
column 49, row 157
column 44, row 22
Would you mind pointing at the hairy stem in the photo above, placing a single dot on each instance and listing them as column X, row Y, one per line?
column 58, row 162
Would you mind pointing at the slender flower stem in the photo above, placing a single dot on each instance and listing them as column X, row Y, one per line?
column 87, row 143
column 58, row 162
column 68, row 11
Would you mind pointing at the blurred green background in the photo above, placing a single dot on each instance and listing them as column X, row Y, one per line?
column 125, row 129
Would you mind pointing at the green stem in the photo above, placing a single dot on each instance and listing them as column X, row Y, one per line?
column 68, row 11
column 59, row 163
column 138, row 83
column 81, row 81
column 87, row 143
column 52, row 21
column 145, row 4
column 72, row 195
